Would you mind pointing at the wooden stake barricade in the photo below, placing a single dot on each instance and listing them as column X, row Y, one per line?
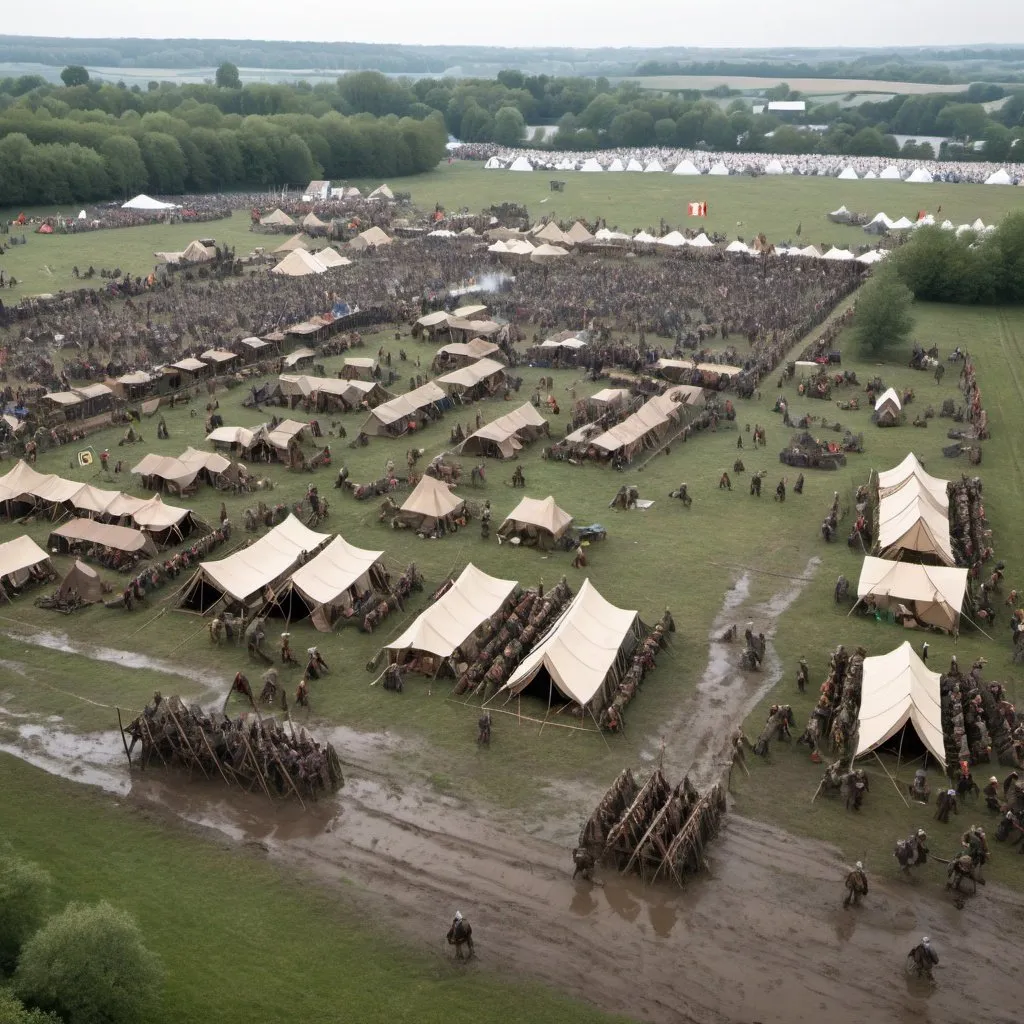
column 654, row 829
column 255, row 752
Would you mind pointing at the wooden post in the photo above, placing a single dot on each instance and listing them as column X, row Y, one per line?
column 123, row 740
column 181, row 732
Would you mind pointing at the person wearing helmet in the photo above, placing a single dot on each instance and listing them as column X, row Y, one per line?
column 856, row 886
column 460, row 934
column 945, row 804
column 924, row 957
column 919, row 788
column 991, row 794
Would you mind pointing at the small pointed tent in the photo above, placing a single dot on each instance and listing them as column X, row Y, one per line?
column 774, row 167
column 536, row 522
column 584, row 653
column 634, row 165
column 493, row 164
column 591, row 166
column 898, row 690
column 520, row 164
column 719, row 170
column 999, row 177
column 579, row 234
column 891, row 173
column 17, row 558
column 654, row 167
column 277, row 219
column 429, row 501
column 935, row 594
column 616, row 165
column 920, row 176
column 295, row 242
column 83, row 582
column 848, row 174
column 299, row 263
column 381, row 192
column 450, row 622
column 331, row 258
column 311, row 220
column 888, row 408
column 686, row 167
column 144, row 202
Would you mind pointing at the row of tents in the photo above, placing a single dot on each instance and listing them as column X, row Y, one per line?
column 23, row 490
column 916, row 572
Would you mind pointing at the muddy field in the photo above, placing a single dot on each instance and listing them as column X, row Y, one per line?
column 762, row 938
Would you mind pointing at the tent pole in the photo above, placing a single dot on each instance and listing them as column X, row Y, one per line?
column 899, row 753
column 891, row 779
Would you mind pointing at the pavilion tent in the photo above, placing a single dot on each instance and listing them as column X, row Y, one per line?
column 82, row 580
column 891, row 480
column 381, row 192
column 909, row 524
column 374, row 236
column 616, row 165
column 654, row 167
column 332, row 582
column 999, row 177
column 277, row 219
column 503, row 437
column 584, row 654
column 634, row 165
column 93, row 501
column 196, row 252
column 934, row 594
column 117, row 538
column 652, row 420
column 552, row 233
column 17, row 558
column 686, row 167
column 358, row 365
column 848, row 174
column 219, row 357
column 299, row 263
column 248, row 573
column 311, row 220
column 539, row 522
column 897, row 690
column 56, row 493
column 839, row 254
column 394, row 417
column 484, row 375
column 429, row 502
column 243, row 437
column 300, row 355
column 450, row 622
column 144, row 202
column 463, row 353
column 591, row 166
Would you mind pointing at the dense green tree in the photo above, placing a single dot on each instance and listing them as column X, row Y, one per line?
column 227, row 76
column 882, row 321
column 125, row 166
column 477, row 125
column 74, row 74
column 509, row 126
column 90, row 965
column 165, row 162
column 13, row 1012
column 24, row 897
column 962, row 120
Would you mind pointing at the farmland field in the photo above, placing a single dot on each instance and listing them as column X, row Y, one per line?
column 821, row 86
column 737, row 207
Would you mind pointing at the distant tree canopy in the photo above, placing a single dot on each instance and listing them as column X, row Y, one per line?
column 74, row 74
column 227, row 76
column 882, row 320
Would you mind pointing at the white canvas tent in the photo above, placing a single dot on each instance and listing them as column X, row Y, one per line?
column 520, row 164
column 999, row 177
column 934, row 594
column 503, row 437
column 452, row 619
column 908, row 521
column 686, row 167
column 891, row 480
column 144, row 202
column 848, row 174
column 920, row 176
column 584, row 651
column 249, row 572
column 591, row 166
column 18, row 557
column 719, row 170
column 329, row 583
column 891, row 173
column 299, row 263
column 394, row 416
column 536, row 521
column 634, row 165
column 429, row 501
column 898, row 690
column 888, row 401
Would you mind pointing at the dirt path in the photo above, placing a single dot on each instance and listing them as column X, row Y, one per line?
column 763, row 938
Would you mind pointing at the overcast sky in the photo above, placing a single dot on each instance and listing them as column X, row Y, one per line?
column 741, row 23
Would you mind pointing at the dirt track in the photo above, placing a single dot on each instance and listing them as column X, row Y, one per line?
column 763, row 938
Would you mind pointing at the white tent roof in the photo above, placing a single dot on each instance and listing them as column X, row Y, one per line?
column 580, row 649
column 20, row 554
column 542, row 513
column 701, row 241
column 909, row 521
column 686, row 167
column 839, row 254
column 891, row 173
column 323, row 579
column 738, row 246
column 232, row 435
column 654, row 167
column 848, row 174
column 774, row 167
column 494, row 164
column 432, row 498
column 999, row 177
column 266, row 560
column 674, row 239
column 616, row 165
column 472, row 599
column 937, row 592
column 920, row 176
column 888, row 397
column 144, row 202
column 591, row 166
column 520, row 164
column 299, row 263
column 644, row 237
column 403, row 406
column 897, row 689
column 719, row 170
column 870, row 176
column 903, row 224
column 873, row 256
column 891, row 480
column 634, row 165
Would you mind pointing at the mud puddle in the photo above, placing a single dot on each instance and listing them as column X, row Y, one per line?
column 698, row 735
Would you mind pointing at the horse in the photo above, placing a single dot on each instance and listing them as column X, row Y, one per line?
column 460, row 934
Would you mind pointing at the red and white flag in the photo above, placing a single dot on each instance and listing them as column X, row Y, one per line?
column 697, row 209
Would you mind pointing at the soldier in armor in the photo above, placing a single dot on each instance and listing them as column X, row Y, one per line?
column 856, row 886
column 945, row 805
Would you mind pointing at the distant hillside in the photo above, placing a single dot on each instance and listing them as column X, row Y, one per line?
column 931, row 65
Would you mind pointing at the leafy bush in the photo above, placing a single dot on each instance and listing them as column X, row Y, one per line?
column 24, row 898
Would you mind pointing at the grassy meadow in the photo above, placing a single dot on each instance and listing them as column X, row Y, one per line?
column 240, row 938
column 737, row 207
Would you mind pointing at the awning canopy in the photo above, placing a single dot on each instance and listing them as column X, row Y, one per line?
column 443, row 627
column 581, row 650
column 936, row 592
column 19, row 555
column 897, row 688
column 541, row 514
column 120, row 538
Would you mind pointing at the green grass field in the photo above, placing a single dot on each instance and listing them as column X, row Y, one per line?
column 240, row 938
column 737, row 207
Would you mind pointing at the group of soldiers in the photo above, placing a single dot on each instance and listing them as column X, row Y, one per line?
column 272, row 689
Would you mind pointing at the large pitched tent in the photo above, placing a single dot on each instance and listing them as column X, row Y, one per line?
column 144, row 202
column 247, row 573
column 450, row 622
column 299, row 263
column 503, row 437
column 485, row 376
column 18, row 558
column 327, row 586
column 277, row 219
column 652, row 420
column 584, row 654
column 429, row 501
column 898, row 690
column 536, row 522
column 890, row 481
column 88, row 531
column 933, row 594
column 394, row 417
column 910, row 524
